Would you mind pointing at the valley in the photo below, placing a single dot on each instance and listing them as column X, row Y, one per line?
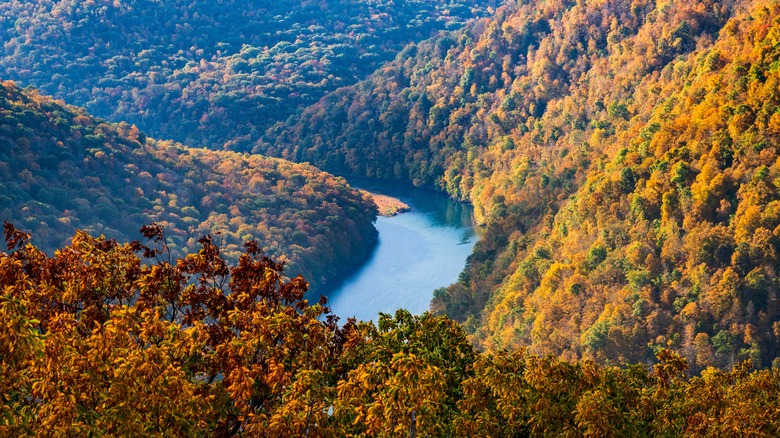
column 602, row 149
column 390, row 218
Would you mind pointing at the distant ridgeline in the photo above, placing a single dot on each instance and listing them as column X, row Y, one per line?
column 209, row 73
column 62, row 170
column 622, row 155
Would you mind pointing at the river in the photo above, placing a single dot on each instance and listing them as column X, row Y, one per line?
column 416, row 253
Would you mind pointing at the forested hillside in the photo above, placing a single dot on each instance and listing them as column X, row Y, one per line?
column 95, row 342
column 62, row 170
column 211, row 74
column 623, row 157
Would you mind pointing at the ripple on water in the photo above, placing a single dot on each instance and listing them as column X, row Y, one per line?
column 416, row 253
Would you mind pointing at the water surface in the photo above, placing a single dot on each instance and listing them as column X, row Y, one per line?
column 416, row 253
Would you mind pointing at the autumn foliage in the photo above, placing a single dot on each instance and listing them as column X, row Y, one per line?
column 209, row 74
column 622, row 157
column 61, row 169
column 117, row 339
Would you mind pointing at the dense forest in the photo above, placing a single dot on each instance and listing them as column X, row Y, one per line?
column 62, row 170
column 95, row 342
column 205, row 73
column 623, row 157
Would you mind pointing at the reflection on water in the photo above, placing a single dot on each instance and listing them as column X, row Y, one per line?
column 416, row 253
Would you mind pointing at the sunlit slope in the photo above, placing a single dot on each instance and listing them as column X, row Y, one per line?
column 673, row 240
column 622, row 157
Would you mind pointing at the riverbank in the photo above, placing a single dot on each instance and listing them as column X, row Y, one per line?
column 388, row 205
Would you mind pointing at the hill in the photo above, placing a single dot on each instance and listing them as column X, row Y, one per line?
column 209, row 74
column 622, row 157
column 62, row 170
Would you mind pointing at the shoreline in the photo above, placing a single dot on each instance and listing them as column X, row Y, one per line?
column 388, row 206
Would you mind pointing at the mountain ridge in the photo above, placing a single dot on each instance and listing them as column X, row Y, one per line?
column 62, row 169
column 206, row 74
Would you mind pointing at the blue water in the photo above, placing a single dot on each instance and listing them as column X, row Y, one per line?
column 417, row 252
